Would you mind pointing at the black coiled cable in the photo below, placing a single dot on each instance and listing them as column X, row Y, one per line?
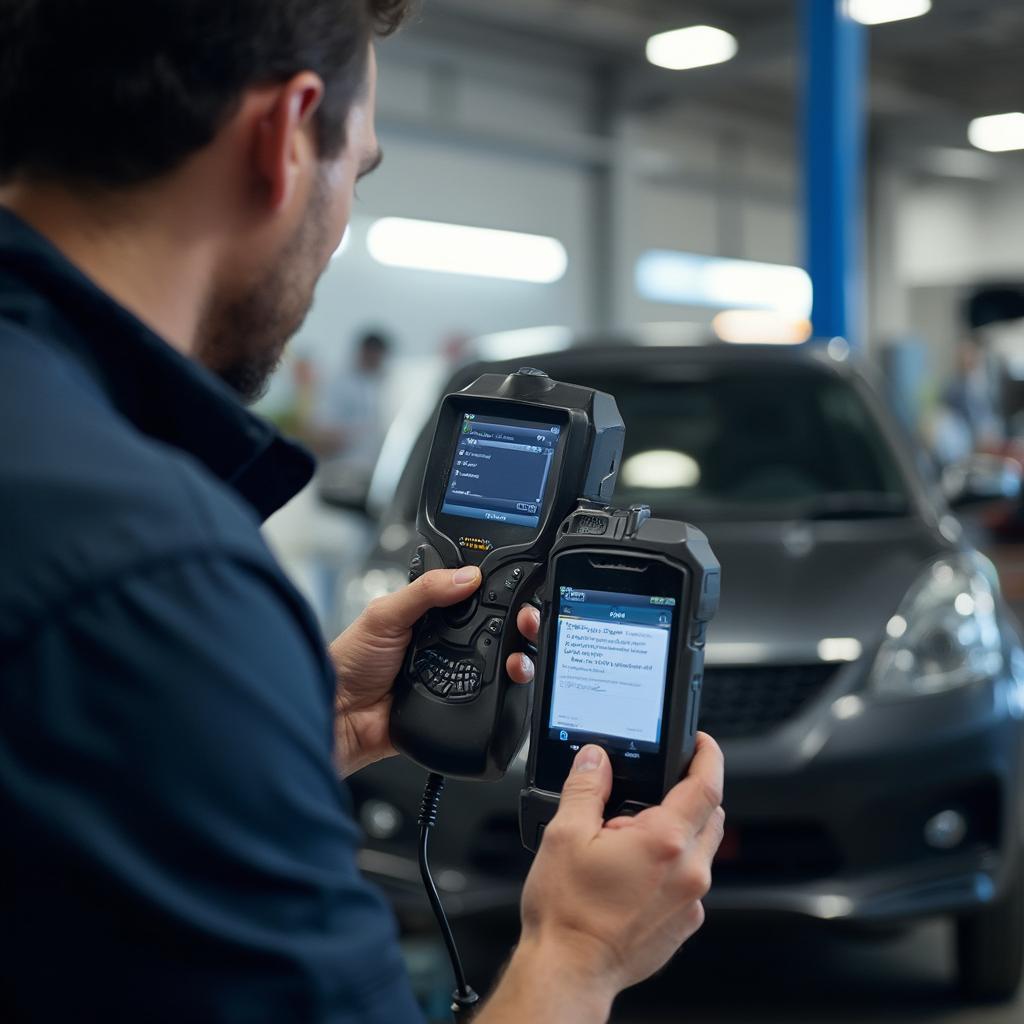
column 464, row 999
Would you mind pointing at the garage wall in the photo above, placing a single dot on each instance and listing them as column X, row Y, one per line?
column 952, row 233
column 506, row 143
column 706, row 183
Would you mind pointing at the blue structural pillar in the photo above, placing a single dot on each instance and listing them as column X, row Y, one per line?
column 835, row 52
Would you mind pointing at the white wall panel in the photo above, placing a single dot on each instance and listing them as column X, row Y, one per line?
column 771, row 233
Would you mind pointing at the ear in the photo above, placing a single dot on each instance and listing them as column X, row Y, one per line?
column 286, row 142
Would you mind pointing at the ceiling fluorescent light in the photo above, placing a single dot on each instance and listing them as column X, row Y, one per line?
column 997, row 133
column 691, row 279
column 459, row 249
column 694, row 47
column 878, row 12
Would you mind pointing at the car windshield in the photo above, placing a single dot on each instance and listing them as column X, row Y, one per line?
column 744, row 443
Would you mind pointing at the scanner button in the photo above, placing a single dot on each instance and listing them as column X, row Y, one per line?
column 700, row 634
column 459, row 614
column 500, row 587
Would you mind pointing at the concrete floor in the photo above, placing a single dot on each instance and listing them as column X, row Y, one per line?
column 758, row 973
column 809, row 974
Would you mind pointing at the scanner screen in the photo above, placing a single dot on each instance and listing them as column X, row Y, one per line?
column 611, row 666
column 500, row 470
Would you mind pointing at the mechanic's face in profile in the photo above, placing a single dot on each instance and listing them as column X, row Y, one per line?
column 243, row 336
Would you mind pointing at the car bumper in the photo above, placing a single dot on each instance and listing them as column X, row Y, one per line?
column 826, row 815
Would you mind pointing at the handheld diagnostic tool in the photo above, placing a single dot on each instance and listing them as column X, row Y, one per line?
column 626, row 605
column 511, row 457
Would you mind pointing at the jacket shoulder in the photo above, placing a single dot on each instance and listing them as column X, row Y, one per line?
column 87, row 496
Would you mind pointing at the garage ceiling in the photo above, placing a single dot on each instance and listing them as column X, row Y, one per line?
column 928, row 74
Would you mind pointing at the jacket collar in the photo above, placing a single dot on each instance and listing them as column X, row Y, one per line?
column 163, row 393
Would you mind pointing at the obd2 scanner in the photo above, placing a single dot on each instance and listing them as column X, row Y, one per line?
column 626, row 605
column 511, row 458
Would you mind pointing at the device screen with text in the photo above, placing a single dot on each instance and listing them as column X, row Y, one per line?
column 611, row 665
column 500, row 470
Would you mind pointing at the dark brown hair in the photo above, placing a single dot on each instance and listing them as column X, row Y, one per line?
column 116, row 92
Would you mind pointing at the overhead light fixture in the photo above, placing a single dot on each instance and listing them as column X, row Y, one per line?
column 878, row 12
column 997, row 133
column 695, row 47
column 460, row 249
column 760, row 327
column 692, row 279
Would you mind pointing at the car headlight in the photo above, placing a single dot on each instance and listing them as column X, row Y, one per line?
column 944, row 635
column 372, row 583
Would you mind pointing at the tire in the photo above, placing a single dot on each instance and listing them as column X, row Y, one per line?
column 990, row 946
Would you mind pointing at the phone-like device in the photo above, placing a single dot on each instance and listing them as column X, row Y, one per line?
column 511, row 457
column 625, row 610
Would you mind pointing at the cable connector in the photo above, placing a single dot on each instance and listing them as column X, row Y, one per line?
column 431, row 800
column 465, row 1000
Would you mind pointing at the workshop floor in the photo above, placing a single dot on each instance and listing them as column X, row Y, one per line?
column 742, row 972
column 810, row 974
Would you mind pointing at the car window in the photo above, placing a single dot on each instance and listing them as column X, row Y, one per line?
column 745, row 441
column 742, row 442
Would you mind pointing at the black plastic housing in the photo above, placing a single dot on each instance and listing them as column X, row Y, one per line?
column 605, row 533
column 476, row 736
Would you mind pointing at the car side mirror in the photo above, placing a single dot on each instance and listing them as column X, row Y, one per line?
column 982, row 479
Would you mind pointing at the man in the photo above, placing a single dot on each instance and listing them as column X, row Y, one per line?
column 177, row 845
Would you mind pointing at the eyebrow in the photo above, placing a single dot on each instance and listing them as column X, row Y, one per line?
column 372, row 164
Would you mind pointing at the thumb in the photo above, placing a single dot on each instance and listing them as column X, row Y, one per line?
column 438, row 588
column 586, row 791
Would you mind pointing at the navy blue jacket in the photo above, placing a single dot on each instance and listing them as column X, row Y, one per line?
column 176, row 844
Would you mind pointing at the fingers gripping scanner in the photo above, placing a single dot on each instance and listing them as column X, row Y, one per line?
column 510, row 460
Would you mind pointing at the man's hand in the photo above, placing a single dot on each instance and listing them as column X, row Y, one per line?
column 606, row 904
column 369, row 654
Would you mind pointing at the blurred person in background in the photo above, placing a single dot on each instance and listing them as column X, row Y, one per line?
column 340, row 417
column 969, row 418
column 179, row 846
column 347, row 421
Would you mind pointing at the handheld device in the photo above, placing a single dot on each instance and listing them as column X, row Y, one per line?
column 626, row 605
column 511, row 457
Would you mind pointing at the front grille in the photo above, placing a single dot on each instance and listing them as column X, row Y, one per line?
column 749, row 701
column 775, row 852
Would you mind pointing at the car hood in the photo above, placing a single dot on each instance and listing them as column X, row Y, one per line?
column 788, row 586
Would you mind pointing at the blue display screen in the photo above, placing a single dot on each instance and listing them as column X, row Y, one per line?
column 500, row 470
column 611, row 666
